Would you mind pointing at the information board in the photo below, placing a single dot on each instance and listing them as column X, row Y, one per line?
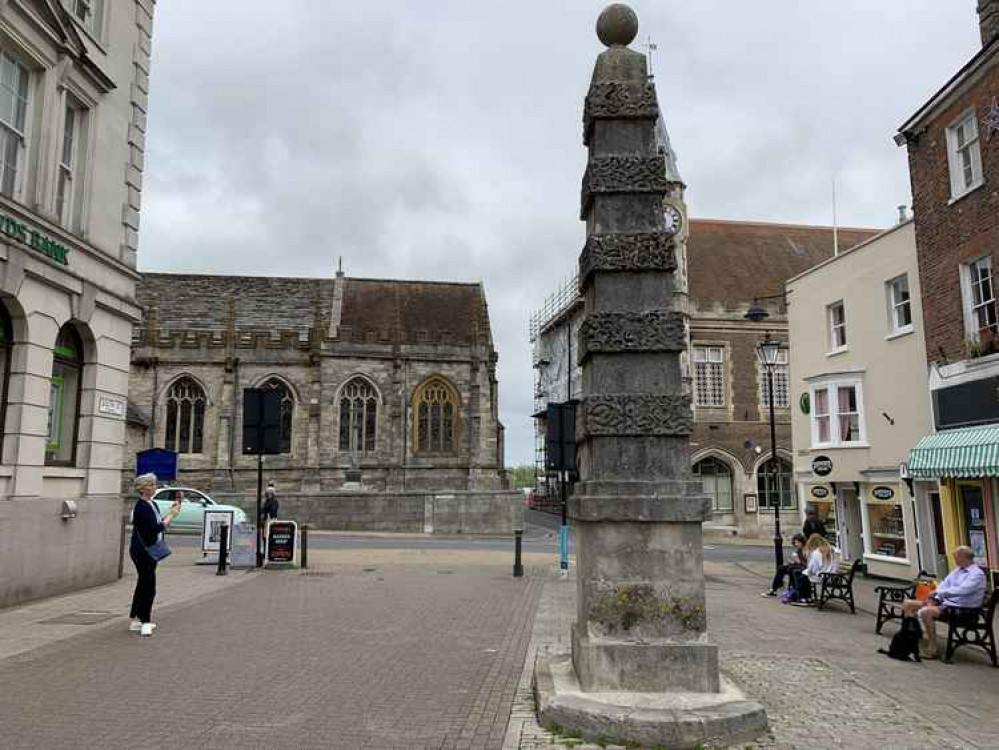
column 211, row 530
column 282, row 536
column 244, row 546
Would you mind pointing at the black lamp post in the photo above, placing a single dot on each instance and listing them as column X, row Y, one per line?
column 768, row 352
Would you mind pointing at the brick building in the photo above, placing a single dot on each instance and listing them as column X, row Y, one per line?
column 74, row 83
column 730, row 262
column 392, row 379
column 953, row 148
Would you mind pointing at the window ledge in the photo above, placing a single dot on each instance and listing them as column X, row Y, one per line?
column 838, row 446
column 954, row 199
column 900, row 333
column 841, row 350
column 886, row 559
column 64, row 472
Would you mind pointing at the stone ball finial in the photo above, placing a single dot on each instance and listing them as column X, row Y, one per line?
column 617, row 25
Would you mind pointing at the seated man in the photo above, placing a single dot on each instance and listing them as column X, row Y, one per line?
column 964, row 588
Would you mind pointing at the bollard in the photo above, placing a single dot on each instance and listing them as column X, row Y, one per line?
column 305, row 547
column 223, row 549
column 518, row 568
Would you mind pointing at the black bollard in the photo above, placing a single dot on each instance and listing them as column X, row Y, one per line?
column 305, row 546
column 518, row 567
column 223, row 550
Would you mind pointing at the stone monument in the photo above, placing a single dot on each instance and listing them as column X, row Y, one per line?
column 642, row 668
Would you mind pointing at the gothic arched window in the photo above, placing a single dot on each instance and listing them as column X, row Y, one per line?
column 185, row 420
column 716, row 480
column 287, row 410
column 436, row 411
column 775, row 486
column 358, row 417
column 64, row 397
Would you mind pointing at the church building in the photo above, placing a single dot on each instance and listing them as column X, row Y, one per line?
column 390, row 385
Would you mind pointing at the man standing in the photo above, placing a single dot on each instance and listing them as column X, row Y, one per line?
column 964, row 588
column 813, row 524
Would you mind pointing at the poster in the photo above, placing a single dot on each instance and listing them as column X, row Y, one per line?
column 977, row 540
column 281, row 539
column 211, row 531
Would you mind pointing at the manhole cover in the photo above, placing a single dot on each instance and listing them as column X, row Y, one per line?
column 80, row 618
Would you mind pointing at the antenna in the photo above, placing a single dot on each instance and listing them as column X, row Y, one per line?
column 652, row 47
column 339, row 268
column 835, row 226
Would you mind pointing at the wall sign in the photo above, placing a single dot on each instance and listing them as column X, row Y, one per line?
column 111, row 406
column 820, row 492
column 805, row 403
column 822, row 465
column 33, row 239
column 883, row 493
column 751, row 503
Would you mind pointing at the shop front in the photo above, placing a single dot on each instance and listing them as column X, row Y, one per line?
column 966, row 463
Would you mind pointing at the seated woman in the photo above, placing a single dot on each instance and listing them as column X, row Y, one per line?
column 796, row 565
column 820, row 560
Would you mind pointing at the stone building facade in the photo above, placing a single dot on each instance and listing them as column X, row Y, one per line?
column 388, row 383
column 953, row 148
column 74, row 81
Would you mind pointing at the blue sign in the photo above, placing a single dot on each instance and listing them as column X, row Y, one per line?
column 158, row 461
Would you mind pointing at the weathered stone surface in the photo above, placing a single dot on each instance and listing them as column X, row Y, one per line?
column 650, row 251
column 617, row 25
column 653, row 331
column 623, row 174
column 635, row 414
column 617, row 100
column 679, row 508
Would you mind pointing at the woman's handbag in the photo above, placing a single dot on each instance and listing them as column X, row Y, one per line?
column 159, row 550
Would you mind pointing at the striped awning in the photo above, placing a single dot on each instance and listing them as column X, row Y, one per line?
column 968, row 452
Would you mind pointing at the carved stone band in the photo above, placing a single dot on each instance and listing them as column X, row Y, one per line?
column 615, row 100
column 638, row 415
column 653, row 331
column 623, row 174
column 627, row 252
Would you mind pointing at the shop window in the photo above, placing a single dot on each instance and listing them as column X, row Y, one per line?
column 709, row 376
column 435, row 408
column 716, row 480
column 887, row 525
column 837, row 414
column 287, row 410
column 773, row 485
column 358, row 417
column 64, row 398
column 14, row 88
column 185, row 420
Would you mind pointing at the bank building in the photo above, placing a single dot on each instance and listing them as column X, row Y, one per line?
column 74, row 81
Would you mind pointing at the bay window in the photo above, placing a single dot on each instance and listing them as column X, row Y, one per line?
column 837, row 414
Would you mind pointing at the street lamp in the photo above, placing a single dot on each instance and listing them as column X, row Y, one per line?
column 768, row 352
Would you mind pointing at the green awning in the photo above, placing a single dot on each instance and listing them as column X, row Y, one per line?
column 968, row 452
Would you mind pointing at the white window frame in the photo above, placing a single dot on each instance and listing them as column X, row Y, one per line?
column 89, row 14
column 964, row 157
column 66, row 170
column 13, row 132
column 895, row 305
column 836, row 328
column 971, row 308
column 781, row 374
column 831, row 388
column 712, row 355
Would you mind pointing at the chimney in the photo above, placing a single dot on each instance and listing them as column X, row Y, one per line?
column 903, row 214
column 988, row 20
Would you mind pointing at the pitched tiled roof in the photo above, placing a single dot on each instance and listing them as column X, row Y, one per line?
column 733, row 261
column 372, row 309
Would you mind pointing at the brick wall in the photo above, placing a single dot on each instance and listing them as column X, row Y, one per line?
column 949, row 234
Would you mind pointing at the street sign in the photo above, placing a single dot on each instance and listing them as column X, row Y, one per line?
column 282, row 536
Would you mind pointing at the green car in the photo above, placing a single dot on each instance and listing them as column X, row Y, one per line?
column 194, row 503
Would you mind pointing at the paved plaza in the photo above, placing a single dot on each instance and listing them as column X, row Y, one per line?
column 432, row 649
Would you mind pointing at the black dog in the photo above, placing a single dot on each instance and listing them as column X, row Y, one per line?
column 905, row 641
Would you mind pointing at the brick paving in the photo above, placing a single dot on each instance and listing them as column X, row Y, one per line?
column 348, row 656
column 816, row 672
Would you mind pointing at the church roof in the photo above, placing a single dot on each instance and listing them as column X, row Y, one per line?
column 730, row 262
column 385, row 311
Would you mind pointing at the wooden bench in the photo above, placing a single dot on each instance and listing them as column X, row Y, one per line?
column 973, row 627
column 839, row 586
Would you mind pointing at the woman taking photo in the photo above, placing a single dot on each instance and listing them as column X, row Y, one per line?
column 146, row 550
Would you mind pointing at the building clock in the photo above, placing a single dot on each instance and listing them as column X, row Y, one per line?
column 674, row 219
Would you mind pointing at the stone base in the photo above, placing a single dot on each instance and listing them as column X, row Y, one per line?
column 605, row 664
column 674, row 720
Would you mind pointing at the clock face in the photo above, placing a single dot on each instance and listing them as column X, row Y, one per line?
column 673, row 219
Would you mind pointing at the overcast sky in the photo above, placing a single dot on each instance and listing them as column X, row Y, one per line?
column 441, row 139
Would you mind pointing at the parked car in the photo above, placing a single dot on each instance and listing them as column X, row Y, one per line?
column 194, row 503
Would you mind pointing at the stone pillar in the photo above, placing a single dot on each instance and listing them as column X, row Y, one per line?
column 641, row 623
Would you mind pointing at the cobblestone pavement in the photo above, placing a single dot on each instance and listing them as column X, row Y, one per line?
column 424, row 653
column 816, row 672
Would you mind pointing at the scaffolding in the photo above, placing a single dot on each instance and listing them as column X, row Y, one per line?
column 554, row 307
